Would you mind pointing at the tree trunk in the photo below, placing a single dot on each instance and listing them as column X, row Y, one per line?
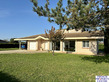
column 106, row 40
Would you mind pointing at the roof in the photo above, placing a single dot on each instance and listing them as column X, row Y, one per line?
column 67, row 35
column 3, row 41
column 34, row 36
column 85, row 34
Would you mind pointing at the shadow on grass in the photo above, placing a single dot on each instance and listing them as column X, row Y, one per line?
column 96, row 59
column 4, row 77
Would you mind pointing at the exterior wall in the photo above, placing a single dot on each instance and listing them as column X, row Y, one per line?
column 61, row 46
column 48, row 45
column 42, row 43
column 28, row 45
column 79, row 49
column 92, row 50
column 40, row 46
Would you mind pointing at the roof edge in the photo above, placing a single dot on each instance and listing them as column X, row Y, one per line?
column 68, row 38
column 39, row 37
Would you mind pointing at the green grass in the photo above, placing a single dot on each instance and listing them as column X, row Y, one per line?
column 43, row 67
column 4, row 49
column 101, row 47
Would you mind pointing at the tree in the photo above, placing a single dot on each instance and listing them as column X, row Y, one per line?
column 12, row 40
column 55, row 36
column 78, row 14
column 104, row 16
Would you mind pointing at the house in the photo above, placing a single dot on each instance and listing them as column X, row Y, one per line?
column 76, row 42
column 3, row 41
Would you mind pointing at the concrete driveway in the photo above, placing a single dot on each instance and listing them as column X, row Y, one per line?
column 21, row 51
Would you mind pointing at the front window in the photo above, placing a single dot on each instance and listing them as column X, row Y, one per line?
column 69, row 46
column 85, row 44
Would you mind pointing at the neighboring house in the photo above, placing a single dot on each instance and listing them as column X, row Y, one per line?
column 3, row 41
column 76, row 42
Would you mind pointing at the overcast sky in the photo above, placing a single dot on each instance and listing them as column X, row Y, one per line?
column 17, row 19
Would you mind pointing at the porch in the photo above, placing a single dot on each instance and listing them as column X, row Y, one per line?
column 63, row 46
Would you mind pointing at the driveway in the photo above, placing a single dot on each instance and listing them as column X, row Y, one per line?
column 21, row 51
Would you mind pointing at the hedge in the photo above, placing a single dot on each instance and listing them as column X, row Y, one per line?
column 9, row 45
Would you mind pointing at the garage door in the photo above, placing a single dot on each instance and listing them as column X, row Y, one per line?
column 33, row 45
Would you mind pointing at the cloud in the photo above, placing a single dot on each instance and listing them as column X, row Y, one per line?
column 4, row 13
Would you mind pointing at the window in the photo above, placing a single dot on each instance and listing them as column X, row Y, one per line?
column 86, row 44
column 72, row 44
column 69, row 46
column 57, row 46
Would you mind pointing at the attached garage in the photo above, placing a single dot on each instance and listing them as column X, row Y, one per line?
column 33, row 45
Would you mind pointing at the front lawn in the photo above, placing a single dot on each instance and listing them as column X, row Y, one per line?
column 4, row 49
column 43, row 67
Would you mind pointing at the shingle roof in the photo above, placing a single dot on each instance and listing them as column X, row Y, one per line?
column 85, row 34
column 82, row 34
column 34, row 36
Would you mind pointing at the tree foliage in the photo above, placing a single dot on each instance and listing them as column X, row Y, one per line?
column 12, row 40
column 104, row 13
column 55, row 36
column 77, row 14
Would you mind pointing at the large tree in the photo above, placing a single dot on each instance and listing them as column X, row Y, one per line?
column 104, row 17
column 78, row 14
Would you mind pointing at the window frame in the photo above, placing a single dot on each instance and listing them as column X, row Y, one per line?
column 85, row 44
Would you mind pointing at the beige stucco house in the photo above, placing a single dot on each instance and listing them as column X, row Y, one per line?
column 76, row 42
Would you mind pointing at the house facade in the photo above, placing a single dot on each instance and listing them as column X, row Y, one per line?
column 75, row 42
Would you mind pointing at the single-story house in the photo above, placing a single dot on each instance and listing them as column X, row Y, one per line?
column 3, row 41
column 76, row 42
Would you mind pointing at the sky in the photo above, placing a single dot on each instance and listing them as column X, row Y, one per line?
column 17, row 19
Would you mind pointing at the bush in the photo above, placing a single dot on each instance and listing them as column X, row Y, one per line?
column 9, row 45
